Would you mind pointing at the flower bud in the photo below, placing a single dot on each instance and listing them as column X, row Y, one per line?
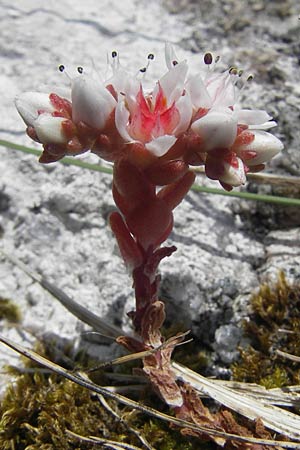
column 234, row 174
column 30, row 104
column 218, row 129
column 91, row 102
column 263, row 147
column 49, row 129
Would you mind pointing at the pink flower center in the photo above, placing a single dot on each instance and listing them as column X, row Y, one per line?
column 149, row 120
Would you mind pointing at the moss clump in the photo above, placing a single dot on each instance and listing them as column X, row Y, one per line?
column 274, row 324
column 9, row 310
column 38, row 409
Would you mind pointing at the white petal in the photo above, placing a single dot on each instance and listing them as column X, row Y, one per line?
column 221, row 90
column 263, row 126
column 172, row 83
column 29, row 103
column 218, row 129
column 49, row 130
column 185, row 109
column 122, row 118
column 159, row 146
column 131, row 90
column 264, row 144
column 198, row 92
column 170, row 55
column 92, row 103
column 251, row 117
column 234, row 176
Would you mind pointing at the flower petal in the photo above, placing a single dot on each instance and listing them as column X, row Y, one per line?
column 172, row 83
column 198, row 92
column 29, row 104
column 251, row 117
column 122, row 119
column 234, row 175
column 160, row 145
column 49, row 129
column 221, row 90
column 263, row 147
column 264, row 126
column 91, row 102
column 170, row 55
column 218, row 129
column 185, row 109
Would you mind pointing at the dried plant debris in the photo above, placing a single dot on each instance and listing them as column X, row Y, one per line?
column 42, row 410
column 227, row 440
column 273, row 325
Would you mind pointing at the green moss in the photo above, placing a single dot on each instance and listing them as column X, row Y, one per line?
column 9, row 310
column 38, row 409
column 273, row 324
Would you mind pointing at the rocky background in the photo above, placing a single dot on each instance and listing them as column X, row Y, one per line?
column 54, row 218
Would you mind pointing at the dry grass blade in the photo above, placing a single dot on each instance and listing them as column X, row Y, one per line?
column 104, row 442
column 76, row 378
column 140, row 355
column 139, row 436
column 288, row 356
column 274, row 418
column 287, row 396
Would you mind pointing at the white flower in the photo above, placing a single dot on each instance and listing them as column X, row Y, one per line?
column 44, row 114
column 158, row 118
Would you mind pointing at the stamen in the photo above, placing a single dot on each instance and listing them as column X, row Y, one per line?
column 80, row 69
column 208, row 59
column 233, row 71
column 250, row 77
column 62, row 69
column 174, row 62
column 114, row 63
column 144, row 69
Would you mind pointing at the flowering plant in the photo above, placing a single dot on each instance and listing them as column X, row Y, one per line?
column 152, row 137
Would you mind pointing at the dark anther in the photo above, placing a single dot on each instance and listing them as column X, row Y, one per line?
column 79, row 69
column 250, row 78
column 61, row 68
column 233, row 71
column 208, row 59
column 114, row 54
column 143, row 69
column 174, row 63
column 151, row 56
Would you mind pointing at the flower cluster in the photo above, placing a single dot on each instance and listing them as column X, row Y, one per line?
column 153, row 137
column 184, row 120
